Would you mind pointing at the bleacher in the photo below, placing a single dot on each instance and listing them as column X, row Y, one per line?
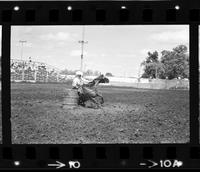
column 32, row 71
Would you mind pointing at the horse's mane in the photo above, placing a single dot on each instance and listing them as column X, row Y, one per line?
column 99, row 79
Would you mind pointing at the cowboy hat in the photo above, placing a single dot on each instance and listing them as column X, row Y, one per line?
column 79, row 73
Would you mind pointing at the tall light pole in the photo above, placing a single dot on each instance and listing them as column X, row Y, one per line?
column 82, row 42
column 22, row 43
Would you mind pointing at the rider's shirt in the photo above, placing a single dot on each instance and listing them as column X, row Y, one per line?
column 77, row 82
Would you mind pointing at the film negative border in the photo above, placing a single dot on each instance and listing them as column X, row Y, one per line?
column 98, row 13
column 98, row 156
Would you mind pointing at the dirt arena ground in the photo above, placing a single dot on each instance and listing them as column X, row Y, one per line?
column 128, row 116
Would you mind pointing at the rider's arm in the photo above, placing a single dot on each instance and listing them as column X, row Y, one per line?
column 76, row 83
column 85, row 81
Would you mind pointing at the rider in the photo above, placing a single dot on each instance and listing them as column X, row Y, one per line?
column 77, row 83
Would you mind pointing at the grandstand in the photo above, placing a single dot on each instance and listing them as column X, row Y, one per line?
column 32, row 71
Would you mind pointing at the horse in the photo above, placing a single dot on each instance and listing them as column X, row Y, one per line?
column 90, row 91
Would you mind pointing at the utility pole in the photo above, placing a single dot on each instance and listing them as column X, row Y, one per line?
column 82, row 42
column 22, row 43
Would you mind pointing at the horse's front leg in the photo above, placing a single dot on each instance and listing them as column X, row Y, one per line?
column 102, row 100
column 93, row 99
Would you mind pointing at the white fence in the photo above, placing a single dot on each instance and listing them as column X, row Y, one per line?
column 147, row 83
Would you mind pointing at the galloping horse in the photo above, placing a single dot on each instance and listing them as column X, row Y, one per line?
column 90, row 91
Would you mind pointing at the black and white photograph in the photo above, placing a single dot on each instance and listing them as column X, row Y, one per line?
column 100, row 84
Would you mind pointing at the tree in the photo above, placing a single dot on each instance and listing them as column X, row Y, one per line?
column 109, row 74
column 172, row 64
column 97, row 73
column 176, row 62
column 68, row 72
column 151, row 65
column 89, row 72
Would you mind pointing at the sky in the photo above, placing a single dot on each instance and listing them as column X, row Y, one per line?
column 116, row 49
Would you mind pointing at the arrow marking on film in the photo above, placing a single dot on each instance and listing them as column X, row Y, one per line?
column 58, row 165
column 153, row 164
column 143, row 164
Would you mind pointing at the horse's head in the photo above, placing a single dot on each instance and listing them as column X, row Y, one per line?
column 96, row 81
column 102, row 79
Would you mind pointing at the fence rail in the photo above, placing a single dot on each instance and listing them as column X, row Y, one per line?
column 153, row 83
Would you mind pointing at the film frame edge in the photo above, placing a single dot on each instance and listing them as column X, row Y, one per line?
column 9, row 18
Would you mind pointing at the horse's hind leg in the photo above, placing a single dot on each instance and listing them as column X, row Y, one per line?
column 81, row 100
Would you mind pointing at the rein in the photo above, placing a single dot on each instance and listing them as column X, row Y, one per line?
column 93, row 83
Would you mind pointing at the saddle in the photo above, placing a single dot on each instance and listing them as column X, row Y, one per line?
column 89, row 91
